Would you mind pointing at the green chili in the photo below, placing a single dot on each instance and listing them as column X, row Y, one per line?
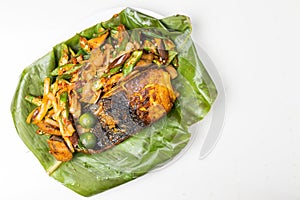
column 65, row 69
column 64, row 102
column 113, row 71
column 64, row 55
column 149, row 46
column 34, row 100
column 131, row 61
column 171, row 56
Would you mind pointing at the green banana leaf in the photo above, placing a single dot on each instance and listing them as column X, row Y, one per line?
column 152, row 147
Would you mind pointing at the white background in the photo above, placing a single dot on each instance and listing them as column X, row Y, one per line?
column 255, row 46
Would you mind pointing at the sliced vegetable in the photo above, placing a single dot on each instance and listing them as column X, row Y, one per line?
column 64, row 55
column 65, row 104
column 149, row 46
column 84, row 44
column 66, row 69
column 172, row 55
column 34, row 100
column 131, row 61
column 98, row 41
column 119, row 61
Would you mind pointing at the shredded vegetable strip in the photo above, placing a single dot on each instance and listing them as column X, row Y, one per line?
column 31, row 114
column 54, row 167
column 46, row 86
column 52, row 122
column 43, row 110
column 52, row 112
column 69, row 143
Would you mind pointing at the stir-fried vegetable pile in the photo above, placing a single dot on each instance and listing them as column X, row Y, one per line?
column 86, row 74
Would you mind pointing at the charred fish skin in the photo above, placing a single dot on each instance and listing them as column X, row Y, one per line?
column 116, row 122
column 134, row 104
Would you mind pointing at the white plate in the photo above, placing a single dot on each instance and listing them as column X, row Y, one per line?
column 217, row 112
column 201, row 131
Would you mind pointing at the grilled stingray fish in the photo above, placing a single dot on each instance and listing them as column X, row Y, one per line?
column 134, row 103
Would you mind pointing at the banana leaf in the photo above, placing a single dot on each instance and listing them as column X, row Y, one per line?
column 150, row 148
